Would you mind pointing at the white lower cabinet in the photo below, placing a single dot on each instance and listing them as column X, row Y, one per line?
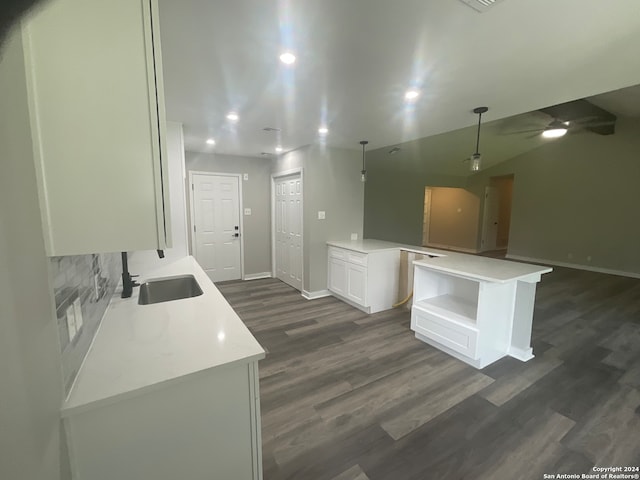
column 475, row 319
column 203, row 426
column 368, row 281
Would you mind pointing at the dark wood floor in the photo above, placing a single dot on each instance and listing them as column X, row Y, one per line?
column 349, row 396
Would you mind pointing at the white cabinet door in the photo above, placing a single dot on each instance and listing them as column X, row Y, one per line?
column 357, row 284
column 96, row 101
column 338, row 276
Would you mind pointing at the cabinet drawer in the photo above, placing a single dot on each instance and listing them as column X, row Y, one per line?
column 357, row 258
column 337, row 253
column 458, row 337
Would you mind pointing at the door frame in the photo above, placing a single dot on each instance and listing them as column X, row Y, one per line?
column 486, row 220
column 240, row 212
column 274, row 177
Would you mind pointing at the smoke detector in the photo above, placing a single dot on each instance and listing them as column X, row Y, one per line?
column 480, row 5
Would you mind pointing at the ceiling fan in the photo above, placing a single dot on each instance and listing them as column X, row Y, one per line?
column 476, row 157
column 558, row 128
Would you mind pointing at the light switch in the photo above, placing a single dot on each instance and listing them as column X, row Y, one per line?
column 247, row 211
column 245, row 176
column 321, row 215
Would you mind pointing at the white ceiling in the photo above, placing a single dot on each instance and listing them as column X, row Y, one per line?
column 356, row 58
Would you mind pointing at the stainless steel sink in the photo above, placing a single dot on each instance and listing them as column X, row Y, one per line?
column 168, row 288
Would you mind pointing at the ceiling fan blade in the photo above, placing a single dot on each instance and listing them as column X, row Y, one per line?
column 603, row 123
column 520, row 132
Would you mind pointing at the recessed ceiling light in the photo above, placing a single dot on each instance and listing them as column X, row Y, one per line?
column 233, row 116
column 287, row 58
column 211, row 141
column 278, row 149
column 412, row 94
column 323, row 130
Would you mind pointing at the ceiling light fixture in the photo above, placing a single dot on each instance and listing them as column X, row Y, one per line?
column 233, row 116
column 363, row 172
column 476, row 158
column 555, row 129
column 288, row 58
column 411, row 95
column 211, row 141
column 323, row 130
column 278, row 149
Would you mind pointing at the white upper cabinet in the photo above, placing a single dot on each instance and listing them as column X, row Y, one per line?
column 94, row 77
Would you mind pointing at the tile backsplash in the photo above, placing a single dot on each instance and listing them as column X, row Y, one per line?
column 91, row 279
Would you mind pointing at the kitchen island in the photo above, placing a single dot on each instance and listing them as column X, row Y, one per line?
column 475, row 308
column 167, row 390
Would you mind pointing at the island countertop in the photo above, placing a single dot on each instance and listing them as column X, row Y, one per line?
column 138, row 348
column 461, row 264
column 484, row 268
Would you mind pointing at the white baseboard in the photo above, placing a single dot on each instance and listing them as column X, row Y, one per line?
column 520, row 354
column 577, row 266
column 451, row 247
column 316, row 294
column 257, row 276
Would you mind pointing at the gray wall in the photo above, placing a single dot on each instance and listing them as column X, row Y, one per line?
column 255, row 195
column 331, row 184
column 577, row 196
column 30, row 373
column 394, row 195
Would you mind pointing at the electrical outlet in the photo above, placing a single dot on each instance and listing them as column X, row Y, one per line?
column 354, row 236
column 71, row 323
column 247, row 211
column 96, row 286
column 589, row 258
column 77, row 310
column 570, row 256
column 321, row 215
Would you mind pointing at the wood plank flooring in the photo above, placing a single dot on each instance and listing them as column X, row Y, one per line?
column 350, row 396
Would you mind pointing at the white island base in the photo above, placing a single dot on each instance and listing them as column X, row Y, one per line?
column 476, row 309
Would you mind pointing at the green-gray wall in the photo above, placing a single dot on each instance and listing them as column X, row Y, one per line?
column 573, row 198
column 255, row 195
column 394, row 194
column 576, row 197
column 30, row 371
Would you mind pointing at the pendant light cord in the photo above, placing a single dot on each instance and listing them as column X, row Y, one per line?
column 363, row 143
column 478, row 135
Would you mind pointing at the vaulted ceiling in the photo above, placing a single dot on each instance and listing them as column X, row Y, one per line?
column 356, row 59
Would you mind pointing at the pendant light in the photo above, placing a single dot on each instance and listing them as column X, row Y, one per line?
column 363, row 172
column 476, row 158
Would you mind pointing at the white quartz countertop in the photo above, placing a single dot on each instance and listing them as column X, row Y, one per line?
column 142, row 347
column 370, row 246
column 484, row 268
column 461, row 264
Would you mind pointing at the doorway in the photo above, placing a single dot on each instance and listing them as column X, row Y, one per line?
column 496, row 220
column 216, row 227
column 287, row 227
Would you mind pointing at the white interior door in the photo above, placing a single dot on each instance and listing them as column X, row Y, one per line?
column 490, row 219
column 288, row 226
column 216, row 225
